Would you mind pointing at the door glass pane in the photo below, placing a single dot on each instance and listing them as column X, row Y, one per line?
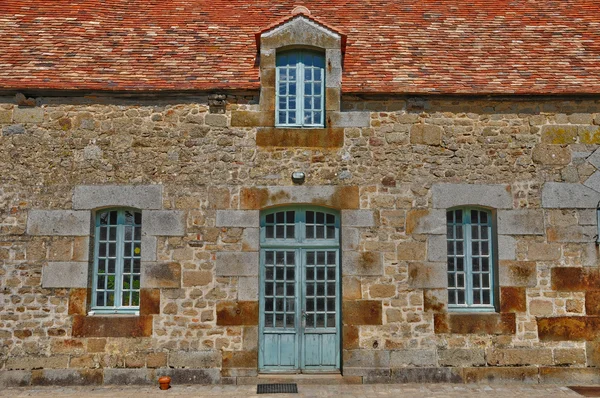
column 279, row 289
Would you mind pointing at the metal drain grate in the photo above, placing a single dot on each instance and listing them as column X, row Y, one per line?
column 291, row 388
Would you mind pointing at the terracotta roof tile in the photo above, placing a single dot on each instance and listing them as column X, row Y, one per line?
column 406, row 46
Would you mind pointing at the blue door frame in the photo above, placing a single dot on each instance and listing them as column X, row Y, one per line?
column 300, row 322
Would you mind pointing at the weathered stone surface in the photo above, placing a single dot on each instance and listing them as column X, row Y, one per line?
column 517, row 273
column 237, row 218
column 236, row 264
column 362, row 312
column 569, row 328
column 148, row 248
column 426, row 375
column 78, row 301
column 435, row 300
column 557, row 195
column 554, row 155
column 36, row 362
column 481, row 324
column 195, row 359
column 450, row 195
column 252, row 119
column 573, row 376
column 520, row 222
column 124, row 377
column 461, row 357
column 592, row 302
column 592, row 349
column 411, row 251
column 350, row 239
column 559, row 134
column 65, row 274
column 337, row 197
column 362, row 263
column 412, row 357
column 163, row 222
column 14, row 378
column 28, row 115
column 575, row 279
column 149, row 301
column 237, row 313
column 349, row 119
column 437, row 248
column 67, row 377
column 240, row 359
column 328, row 138
column 350, row 337
column 593, row 181
column 569, row 356
column 519, row 356
column 161, row 275
column 427, row 275
column 248, row 288
column 574, row 233
column 300, row 31
column 358, row 218
column 137, row 196
column 191, row 376
column 426, row 221
column 106, row 326
column 366, row 359
column 58, row 222
column 426, row 134
column 594, row 159
column 513, row 299
column 543, row 251
column 522, row 374
column 589, row 135
column 197, row 278
column 507, row 248
column 14, row 129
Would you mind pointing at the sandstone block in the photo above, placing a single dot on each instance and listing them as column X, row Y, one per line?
column 67, row 377
column 215, row 120
column 426, row 375
column 541, row 307
column 570, row 376
column 459, row 357
column 519, row 356
column 543, row 251
column 191, row 376
column 358, row 218
column 427, row 275
column 148, row 248
column 594, row 159
column 426, row 134
column 28, row 115
column 362, row 263
column 593, row 182
column 197, row 278
column 58, row 222
column 412, row 357
column 382, row 291
column 589, row 135
column 569, row 356
column 362, row 312
column 411, row 251
column 238, row 313
column 350, row 239
column 426, row 221
column 513, row 299
column 507, row 248
column 553, row 155
column 338, row 197
column 517, row 273
column 574, row 279
column 452, row 195
column 237, row 218
column 559, row 134
column 195, row 359
column 520, row 222
column 14, row 378
column 482, row 324
column 106, row 326
column 569, row 328
column 124, row 377
column 366, row 359
column 435, row 300
column 36, row 362
column 300, row 138
column 521, row 374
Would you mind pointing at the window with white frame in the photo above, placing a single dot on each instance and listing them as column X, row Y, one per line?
column 117, row 261
column 471, row 264
column 300, row 99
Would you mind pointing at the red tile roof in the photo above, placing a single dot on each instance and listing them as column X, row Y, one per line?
column 405, row 46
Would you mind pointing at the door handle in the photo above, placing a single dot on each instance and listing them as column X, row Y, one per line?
column 303, row 319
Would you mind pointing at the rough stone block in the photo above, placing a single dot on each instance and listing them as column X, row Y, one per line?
column 36, row 362
column 569, row 328
column 149, row 301
column 350, row 337
column 237, row 218
column 425, row 134
column 106, row 326
column 570, row 376
column 435, row 300
column 5, row 116
column 240, row 359
column 137, row 196
column 592, row 349
column 251, row 240
column 426, row 375
column 553, row 155
column 519, row 356
column 349, row 119
column 124, row 377
column 237, row 313
column 569, row 356
column 437, row 248
column 520, row 222
column 148, row 248
column 426, row 221
column 411, row 251
column 78, row 301
column 412, row 357
column 482, row 324
column 191, row 376
column 300, row 138
column 594, row 159
column 452, row 195
column 366, row 359
column 14, row 129
column 593, row 181
column 362, row 263
column 160, row 275
column 67, row 377
column 248, row 288
column 558, row 195
column 507, row 248
column 236, row 264
column 28, row 115
column 589, row 135
column 543, row 251
column 427, row 275
column 252, row 119
column 350, row 239
column 58, row 222
column 362, row 312
column 163, row 222
column 574, row 233
column 461, row 357
column 513, row 299
column 337, row 197
column 517, row 273
column 358, row 218
column 195, row 359
column 215, row 120
column 575, row 279
column 14, row 378
column 65, row 274
column 522, row 374
column 592, row 303
column 559, row 134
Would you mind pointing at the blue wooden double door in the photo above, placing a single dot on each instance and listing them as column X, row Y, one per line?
column 299, row 290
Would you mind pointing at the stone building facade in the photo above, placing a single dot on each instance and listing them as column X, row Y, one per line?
column 205, row 171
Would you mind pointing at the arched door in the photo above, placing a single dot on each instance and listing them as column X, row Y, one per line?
column 299, row 290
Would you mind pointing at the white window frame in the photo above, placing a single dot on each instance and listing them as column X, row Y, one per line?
column 300, row 90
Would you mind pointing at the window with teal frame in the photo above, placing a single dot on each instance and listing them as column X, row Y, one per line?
column 300, row 99
column 117, row 261
column 471, row 263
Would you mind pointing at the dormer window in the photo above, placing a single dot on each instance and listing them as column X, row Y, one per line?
column 300, row 89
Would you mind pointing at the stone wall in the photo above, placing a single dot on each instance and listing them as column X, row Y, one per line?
column 398, row 164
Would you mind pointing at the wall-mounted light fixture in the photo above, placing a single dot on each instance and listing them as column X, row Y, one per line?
column 298, row 177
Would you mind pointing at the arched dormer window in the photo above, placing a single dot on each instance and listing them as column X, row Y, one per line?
column 300, row 91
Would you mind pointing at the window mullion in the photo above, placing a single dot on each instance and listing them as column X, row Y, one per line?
column 300, row 90
column 96, row 250
column 468, row 256
column 119, row 259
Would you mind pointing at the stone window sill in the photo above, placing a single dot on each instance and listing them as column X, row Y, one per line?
column 300, row 137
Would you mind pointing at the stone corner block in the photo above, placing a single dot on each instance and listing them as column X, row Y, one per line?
column 163, row 222
column 496, row 196
column 362, row 263
column 358, row 218
column 559, row 195
column 148, row 248
column 248, row 288
column 65, row 274
column 160, row 275
column 507, row 248
column 437, row 248
column 58, row 222
column 349, row 119
column 237, row 218
column 520, row 222
column 136, row 196
column 236, row 264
